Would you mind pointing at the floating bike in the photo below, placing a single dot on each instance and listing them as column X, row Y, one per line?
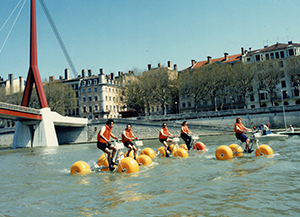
column 225, row 152
column 200, row 146
column 173, row 149
column 124, row 164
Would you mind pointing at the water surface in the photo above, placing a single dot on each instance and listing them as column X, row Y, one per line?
column 37, row 182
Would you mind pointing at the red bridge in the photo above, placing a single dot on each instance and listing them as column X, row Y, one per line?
column 15, row 112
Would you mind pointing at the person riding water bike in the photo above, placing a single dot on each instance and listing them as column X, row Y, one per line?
column 184, row 134
column 103, row 142
column 127, row 137
column 164, row 135
column 239, row 130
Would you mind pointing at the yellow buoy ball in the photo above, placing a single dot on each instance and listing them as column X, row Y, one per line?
column 181, row 153
column 161, row 151
column 223, row 152
column 128, row 165
column 183, row 146
column 102, row 161
column 130, row 155
column 149, row 152
column 263, row 150
column 80, row 167
column 173, row 148
column 236, row 149
column 144, row 160
column 199, row 146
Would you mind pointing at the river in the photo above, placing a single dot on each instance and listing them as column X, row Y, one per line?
column 37, row 182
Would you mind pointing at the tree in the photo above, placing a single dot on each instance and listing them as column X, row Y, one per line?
column 293, row 70
column 268, row 77
column 241, row 80
column 134, row 96
column 60, row 98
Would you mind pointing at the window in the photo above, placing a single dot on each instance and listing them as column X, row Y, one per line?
column 89, row 90
column 83, row 90
column 110, row 98
column 296, row 92
column 272, row 56
column 96, row 98
column 251, row 97
column 95, row 89
column 281, row 54
column 90, row 98
column 107, row 108
column 113, row 98
column 291, row 52
column 95, row 81
column 183, row 105
column 106, row 97
column 113, row 90
column 267, row 56
column 257, row 58
column 82, row 83
column 189, row 104
column 89, row 82
column 96, row 107
column 277, row 55
column 90, row 108
column 84, row 109
column 263, row 96
column 283, row 84
column 248, row 60
column 83, row 99
column 109, row 89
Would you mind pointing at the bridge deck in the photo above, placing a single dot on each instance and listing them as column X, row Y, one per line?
column 11, row 111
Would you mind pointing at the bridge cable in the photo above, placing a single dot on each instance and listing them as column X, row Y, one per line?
column 12, row 24
column 10, row 15
column 58, row 37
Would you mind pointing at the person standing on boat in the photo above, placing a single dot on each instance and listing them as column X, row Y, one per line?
column 127, row 137
column 239, row 130
column 184, row 134
column 291, row 129
column 164, row 135
column 103, row 142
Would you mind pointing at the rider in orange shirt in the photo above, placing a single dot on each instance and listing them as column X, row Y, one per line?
column 127, row 137
column 239, row 129
column 103, row 142
column 184, row 134
column 164, row 135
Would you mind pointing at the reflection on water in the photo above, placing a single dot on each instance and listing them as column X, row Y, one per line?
column 37, row 182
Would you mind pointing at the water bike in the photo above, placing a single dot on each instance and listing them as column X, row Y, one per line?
column 200, row 146
column 173, row 149
column 225, row 152
column 123, row 163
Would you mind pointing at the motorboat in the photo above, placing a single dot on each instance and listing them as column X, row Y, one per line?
column 269, row 136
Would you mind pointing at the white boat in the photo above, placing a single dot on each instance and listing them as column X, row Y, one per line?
column 270, row 136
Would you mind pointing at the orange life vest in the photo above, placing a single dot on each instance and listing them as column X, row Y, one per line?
column 106, row 134
column 129, row 134
column 240, row 126
column 165, row 132
column 185, row 130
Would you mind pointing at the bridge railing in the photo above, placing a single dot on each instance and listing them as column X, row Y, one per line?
column 4, row 105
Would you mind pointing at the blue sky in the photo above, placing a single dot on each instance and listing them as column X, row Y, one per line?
column 120, row 35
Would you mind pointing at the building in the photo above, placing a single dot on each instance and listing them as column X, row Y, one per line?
column 186, row 103
column 160, row 72
column 12, row 85
column 285, row 92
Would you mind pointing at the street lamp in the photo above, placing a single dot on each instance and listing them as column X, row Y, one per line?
column 283, row 108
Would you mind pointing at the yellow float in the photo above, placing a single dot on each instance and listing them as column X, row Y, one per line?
column 236, row 149
column 128, row 165
column 130, row 155
column 149, row 152
column 223, row 152
column 183, row 146
column 263, row 150
column 80, row 167
column 173, row 148
column 181, row 153
column 144, row 160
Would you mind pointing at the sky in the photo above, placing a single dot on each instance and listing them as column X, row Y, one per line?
column 123, row 35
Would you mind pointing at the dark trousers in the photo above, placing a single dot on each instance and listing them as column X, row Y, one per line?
column 187, row 140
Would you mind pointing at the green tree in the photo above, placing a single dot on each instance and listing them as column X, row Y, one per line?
column 269, row 77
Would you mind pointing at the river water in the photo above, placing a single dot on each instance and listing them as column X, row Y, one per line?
column 37, row 182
